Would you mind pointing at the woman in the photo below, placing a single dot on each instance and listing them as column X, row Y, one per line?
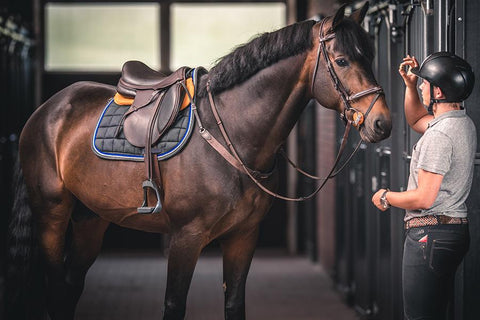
column 441, row 172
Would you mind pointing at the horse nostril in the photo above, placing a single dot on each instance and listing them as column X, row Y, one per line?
column 382, row 127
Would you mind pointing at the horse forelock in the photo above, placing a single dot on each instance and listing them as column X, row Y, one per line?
column 354, row 42
column 263, row 51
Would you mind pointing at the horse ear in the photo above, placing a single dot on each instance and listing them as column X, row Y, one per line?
column 338, row 17
column 359, row 15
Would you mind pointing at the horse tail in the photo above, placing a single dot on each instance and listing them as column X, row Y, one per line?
column 25, row 278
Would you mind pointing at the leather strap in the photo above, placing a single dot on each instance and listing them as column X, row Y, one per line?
column 237, row 160
column 338, row 85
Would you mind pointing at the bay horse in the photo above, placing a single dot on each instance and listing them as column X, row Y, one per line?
column 259, row 90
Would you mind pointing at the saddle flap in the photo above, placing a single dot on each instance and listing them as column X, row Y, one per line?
column 170, row 106
column 160, row 112
column 136, row 123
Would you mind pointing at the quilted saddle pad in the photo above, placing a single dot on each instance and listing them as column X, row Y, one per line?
column 107, row 146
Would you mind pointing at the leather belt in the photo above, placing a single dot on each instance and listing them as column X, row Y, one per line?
column 433, row 220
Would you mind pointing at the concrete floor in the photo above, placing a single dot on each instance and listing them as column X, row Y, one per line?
column 131, row 286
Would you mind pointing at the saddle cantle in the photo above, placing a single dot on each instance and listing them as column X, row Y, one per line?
column 138, row 76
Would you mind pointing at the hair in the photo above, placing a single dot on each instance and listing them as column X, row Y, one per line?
column 271, row 47
column 354, row 42
column 263, row 51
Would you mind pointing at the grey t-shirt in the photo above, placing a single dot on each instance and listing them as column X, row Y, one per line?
column 448, row 148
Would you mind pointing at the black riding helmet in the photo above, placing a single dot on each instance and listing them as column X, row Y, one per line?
column 453, row 75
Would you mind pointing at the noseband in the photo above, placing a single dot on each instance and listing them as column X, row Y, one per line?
column 358, row 117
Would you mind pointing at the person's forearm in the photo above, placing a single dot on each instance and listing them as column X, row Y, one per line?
column 414, row 109
column 408, row 200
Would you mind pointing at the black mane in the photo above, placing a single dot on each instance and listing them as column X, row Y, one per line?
column 269, row 48
column 261, row 52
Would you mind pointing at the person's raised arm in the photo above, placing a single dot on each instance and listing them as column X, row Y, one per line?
column 416, row 115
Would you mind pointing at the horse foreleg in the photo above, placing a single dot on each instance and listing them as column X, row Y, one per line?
column 182, row 259
column 238, row 249
column 87, row 237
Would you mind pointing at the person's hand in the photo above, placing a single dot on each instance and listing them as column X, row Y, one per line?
column 404, row 69
column 376, row 200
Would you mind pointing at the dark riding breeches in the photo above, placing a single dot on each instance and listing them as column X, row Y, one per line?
column 430, row 259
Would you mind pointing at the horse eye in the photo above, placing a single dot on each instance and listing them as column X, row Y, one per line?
column 341, row 62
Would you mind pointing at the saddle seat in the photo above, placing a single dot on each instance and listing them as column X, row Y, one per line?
column 138, row 76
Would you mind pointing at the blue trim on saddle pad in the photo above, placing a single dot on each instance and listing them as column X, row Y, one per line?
column 107, row 146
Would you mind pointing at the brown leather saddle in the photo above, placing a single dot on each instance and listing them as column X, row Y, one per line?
column 157, row 99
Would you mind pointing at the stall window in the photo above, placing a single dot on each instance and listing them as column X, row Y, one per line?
column 101, row 36
column 203, row 32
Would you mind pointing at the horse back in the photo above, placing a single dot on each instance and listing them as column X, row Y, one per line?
column 81, row 100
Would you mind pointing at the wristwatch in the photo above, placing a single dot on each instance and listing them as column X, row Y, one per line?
column 383, row 199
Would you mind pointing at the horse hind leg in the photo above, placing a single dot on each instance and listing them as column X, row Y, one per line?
column 53, row 220
column 86, row 243
column 66, row 267
column 39, row 223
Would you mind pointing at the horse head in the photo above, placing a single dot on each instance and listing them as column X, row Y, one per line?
column 344, row 51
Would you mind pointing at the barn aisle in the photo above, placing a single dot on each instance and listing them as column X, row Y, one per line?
column 131, row 286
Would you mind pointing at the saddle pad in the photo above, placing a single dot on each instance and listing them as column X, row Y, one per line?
column 107, row 146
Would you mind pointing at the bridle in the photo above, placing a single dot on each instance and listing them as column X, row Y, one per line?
column 358, row 119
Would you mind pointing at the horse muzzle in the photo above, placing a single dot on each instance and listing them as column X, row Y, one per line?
column 376, row 128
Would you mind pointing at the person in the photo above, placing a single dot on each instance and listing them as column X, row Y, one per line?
column 441, row 171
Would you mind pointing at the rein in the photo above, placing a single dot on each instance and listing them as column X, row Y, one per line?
column 358, row 119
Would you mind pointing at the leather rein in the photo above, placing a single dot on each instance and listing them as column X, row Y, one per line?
column 358, row 119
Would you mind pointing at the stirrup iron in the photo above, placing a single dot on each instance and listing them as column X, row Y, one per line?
column 145, row 209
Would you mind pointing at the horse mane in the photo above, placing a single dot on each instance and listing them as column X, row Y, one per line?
column 263, row 51
column 271, row 47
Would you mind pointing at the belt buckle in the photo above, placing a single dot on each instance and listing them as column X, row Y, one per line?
column 442, row 219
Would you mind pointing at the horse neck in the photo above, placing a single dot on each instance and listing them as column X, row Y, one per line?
column 260, row 113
